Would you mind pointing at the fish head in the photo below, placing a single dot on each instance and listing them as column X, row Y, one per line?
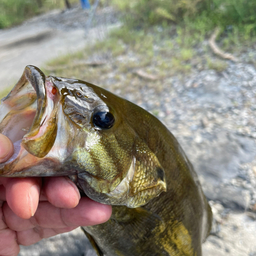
column 67, row 127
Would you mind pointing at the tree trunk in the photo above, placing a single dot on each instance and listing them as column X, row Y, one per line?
column 68, row 6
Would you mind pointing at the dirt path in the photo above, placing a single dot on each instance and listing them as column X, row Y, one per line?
column 46, row 37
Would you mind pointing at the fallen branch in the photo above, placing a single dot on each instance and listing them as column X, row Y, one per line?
column 217, row 50
column 145, row 75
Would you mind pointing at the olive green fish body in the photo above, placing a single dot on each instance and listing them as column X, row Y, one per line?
column 116, row 153
column 174, row 223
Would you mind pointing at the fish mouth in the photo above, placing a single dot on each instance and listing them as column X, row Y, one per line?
column 28, row 114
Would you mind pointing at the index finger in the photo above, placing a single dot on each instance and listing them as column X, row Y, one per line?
column 22, row 195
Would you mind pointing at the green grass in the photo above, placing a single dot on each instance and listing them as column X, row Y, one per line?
column 146, row 13
column 201, row 14
column 218, row 65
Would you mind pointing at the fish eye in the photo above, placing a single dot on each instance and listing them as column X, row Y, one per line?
column 103, row 120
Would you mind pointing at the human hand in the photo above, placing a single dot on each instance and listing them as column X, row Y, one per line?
column 35, row 208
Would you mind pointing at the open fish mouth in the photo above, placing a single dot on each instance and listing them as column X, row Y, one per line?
column 28, row 116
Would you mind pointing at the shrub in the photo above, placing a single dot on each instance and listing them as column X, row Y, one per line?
column 197, row 14
column 151, row 12
column 14, row 11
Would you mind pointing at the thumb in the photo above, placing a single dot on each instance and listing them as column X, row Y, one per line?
column 6, row 148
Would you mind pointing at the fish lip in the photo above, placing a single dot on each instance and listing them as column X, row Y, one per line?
column 37, row 79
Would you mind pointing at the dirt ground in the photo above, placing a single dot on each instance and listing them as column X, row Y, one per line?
column 44, row 38
column 211, row 113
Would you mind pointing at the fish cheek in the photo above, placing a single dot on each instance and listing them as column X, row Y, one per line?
column 105, row 159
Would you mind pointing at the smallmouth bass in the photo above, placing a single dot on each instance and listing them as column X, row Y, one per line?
column 116, row 153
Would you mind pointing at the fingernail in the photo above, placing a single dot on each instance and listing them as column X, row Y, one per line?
column 33, row 199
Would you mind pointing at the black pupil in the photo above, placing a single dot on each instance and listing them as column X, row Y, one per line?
column 104, row 120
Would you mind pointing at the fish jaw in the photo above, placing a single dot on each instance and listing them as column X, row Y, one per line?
column 42, row 134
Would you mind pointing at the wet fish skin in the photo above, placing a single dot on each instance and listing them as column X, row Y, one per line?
column 132, row 162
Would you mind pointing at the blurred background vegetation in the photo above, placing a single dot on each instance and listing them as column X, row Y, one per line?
column 162, row 37
column 199, row 16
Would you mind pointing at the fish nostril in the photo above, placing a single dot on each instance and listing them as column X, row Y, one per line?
column 79, row 94
column 160, row 173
